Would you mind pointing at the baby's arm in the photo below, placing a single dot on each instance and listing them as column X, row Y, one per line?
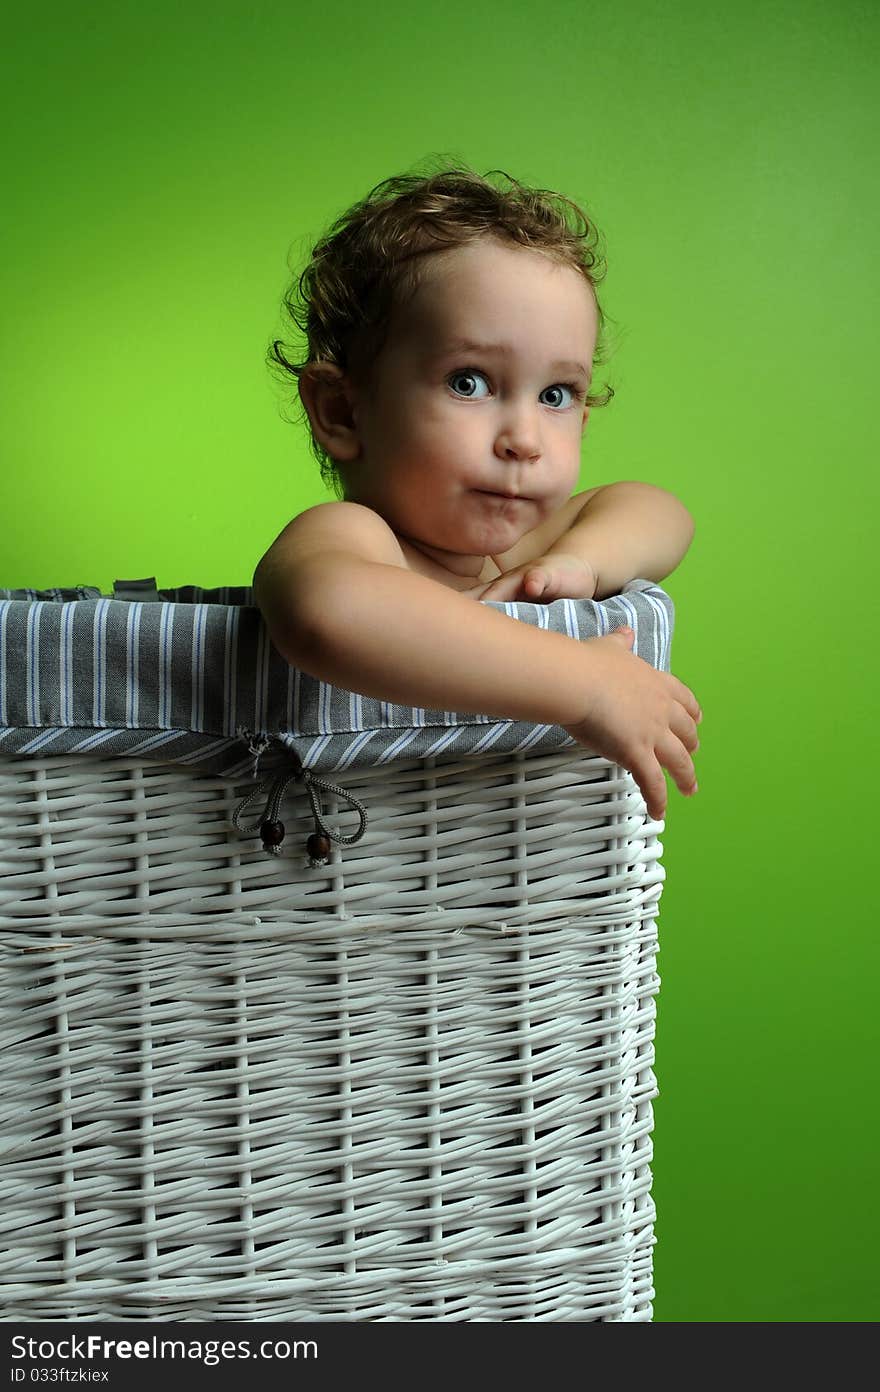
column 339, row 605
column 624, row 531
column 628, row 531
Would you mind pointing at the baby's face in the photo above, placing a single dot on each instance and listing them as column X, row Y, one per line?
column 464, row 449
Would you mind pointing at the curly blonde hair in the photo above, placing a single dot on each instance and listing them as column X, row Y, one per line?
column 374, row 256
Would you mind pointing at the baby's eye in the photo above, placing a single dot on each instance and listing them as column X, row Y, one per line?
column 568, row 387
column 469, row 379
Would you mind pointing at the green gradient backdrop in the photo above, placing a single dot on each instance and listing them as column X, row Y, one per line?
column 164, row 160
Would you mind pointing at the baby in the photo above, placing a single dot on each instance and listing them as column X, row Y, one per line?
column 452, row 331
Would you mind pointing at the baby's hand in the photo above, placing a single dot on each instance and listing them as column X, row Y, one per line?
column 549, row 577
column 636, row 716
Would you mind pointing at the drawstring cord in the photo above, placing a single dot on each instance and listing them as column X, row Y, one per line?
column 272, row 830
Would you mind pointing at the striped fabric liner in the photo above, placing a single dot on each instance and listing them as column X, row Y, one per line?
column 75, row 592
column 190, row 676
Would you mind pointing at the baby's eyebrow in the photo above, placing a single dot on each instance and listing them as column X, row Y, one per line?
column 468, row 345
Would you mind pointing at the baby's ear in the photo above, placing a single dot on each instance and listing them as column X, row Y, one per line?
column 326, row 394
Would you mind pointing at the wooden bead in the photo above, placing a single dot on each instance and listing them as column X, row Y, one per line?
column 272, row 833
column 318, row 846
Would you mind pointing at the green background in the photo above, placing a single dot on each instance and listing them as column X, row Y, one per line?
column 163, row 162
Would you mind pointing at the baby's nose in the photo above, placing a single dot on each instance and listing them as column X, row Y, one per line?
column 519, row 444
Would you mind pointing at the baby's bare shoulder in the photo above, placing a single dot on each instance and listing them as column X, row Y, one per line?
column 345, row 527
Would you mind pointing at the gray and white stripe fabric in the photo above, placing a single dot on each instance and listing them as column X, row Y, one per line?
column 190, row 676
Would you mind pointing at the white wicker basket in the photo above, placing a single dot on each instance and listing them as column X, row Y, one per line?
column 413, row 1084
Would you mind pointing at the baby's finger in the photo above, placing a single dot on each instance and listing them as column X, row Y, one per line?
column 652, row 785
column 673, row 755
column 686, row 697
column 537, row 583
column 685, row 727
column 503, row 588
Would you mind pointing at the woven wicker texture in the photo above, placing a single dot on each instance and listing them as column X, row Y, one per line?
column 414, row 1084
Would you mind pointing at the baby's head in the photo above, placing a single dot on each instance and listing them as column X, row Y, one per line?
column 389, row 296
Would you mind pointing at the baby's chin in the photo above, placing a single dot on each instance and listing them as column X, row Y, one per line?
column 501, row 522
column 476, row 526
